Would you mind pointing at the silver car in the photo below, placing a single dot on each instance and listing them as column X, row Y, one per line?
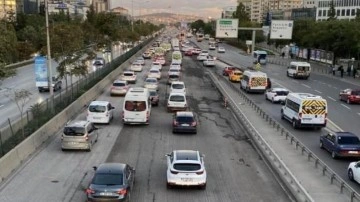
column 79, row 135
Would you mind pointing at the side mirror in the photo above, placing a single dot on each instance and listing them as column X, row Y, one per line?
column 95, row 168
column 166, row 155
column 282, row 102
column 112, row 107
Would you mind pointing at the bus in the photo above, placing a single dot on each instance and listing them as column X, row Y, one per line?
column 199, row 37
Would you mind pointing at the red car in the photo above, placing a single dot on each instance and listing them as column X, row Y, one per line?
column 196, row 51
column 189, row 52
column 350, row 96
column 228, row 70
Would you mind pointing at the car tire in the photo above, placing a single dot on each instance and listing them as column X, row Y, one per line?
column 169, row 186
column 287, row 74
column 333, row 155
column 348, row 101
column 351, row 175
column 272, row 100
column 203, row 187
column 266, row 98
column 90, row 147
column 282, row 115
column 321, row 145
column 294, row 124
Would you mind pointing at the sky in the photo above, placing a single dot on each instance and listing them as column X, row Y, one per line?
column 202, row 8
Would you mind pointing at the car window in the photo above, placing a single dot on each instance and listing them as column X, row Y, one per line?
column 355, row 92
column 348, row 140
column 97, row 108
column 119, row 84
column 128, row 74
column 184, row 119
column 74, row 131
column 177, row 86
column 282, row 92
column 187, row 166
column 108, row 179
column 135, row 106
column 154, row 71
column 173, row 76
column 177, row 98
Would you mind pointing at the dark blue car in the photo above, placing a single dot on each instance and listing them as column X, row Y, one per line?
column 341, row 144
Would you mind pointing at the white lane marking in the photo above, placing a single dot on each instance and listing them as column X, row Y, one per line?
column 331, row 98
column 345, row 106
column 1, row 106
column 295, row 81
column 335, row 87
column 318, row 91
column 329, row 85
column 305, row 85
column 358, row 114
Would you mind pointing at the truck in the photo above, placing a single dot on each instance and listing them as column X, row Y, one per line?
column 42, row 78
column 175, row 43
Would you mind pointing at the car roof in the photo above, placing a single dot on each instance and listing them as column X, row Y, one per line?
column 129, row 72
column 150, row 78
column 280, row 89
column 176, row 93
column 154, row 68
column 77, row 123
column 99, row 103
column 181, row 155
column 117, row 168
column 177, row 82
column 345, row 134
column 185, row 113
column 119, row 81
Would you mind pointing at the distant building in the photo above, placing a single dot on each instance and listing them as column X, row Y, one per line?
column 101, row 5
column 345, row 9
column 11, row 7
column 31, row 6
column 120, row 11
column 303, row 13
column 309, row 3
column 228, row 12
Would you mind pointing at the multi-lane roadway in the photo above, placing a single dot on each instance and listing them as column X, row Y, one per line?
column 342, row 116
column 235, row 170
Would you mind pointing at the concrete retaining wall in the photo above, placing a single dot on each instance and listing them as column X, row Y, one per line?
column 13, row 159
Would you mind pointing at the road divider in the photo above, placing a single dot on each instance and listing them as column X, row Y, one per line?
column 14, row 158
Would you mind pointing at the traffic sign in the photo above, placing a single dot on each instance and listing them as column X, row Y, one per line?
column 227, row 28
column 281, row 29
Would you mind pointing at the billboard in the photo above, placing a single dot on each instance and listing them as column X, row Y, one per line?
column 227, row 28
column 281, row 29
column 41, row 73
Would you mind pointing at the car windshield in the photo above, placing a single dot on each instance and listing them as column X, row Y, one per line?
column 173, row 76
column 128, row 74
column 150, row 81
column 348, row 140
column 137, row 106
column 154, row 71
column 355, row 93
column 282, row 92
column 173, row 70
column 107, row 179
column 185, row 119
column 177, row 86
column 153, row 93
column 306, row 68
column 74, row 131
column 187, row 166
column 119, row 84
column 237, row 73
column 177, row 98
column 97, row 108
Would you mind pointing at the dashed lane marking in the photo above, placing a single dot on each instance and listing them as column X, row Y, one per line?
column 318, row 91
column 331, row 98
column 305, row 85
column 345, row 106
column 1, row 106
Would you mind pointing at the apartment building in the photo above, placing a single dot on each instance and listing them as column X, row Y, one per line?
column 228, row 11
column 101, row 5
column 11, row 7
column 345, row 9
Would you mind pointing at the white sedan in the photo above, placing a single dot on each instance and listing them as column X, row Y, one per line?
column 151, row 84
column 209, row 62
column 354, row 171
column 202, row 56
column 136, row 67
column 276, row 94
column 221, row 49
column 186, row 168
column 154, row 73
column 128, row 76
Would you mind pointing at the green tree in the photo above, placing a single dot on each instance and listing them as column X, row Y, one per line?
column 8, row 43
column 6, row 72
column 198, row 25
column 332, row 11
column 357, row 17
column 241, row 14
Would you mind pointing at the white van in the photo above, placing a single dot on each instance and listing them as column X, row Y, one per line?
column 137, row 106
column 254, row 81
column 305, row 110
column 176, row 57
column 100, row 112
column 299, row 70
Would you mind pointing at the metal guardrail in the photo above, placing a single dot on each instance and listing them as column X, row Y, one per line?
column 335, row 179
column 299, row 190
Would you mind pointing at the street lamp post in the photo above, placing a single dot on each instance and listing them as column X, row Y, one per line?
column 50, row 81
column 132, row 15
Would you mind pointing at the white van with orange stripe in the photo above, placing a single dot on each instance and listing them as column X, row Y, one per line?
column 305, row 110
column 254, row 81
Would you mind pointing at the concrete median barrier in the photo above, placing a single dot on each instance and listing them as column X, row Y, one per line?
column 13, row 159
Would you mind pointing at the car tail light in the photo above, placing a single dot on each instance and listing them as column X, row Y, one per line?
column 90, row 191
column 62, row 137
column 122, row 192
column 122, row 114
column 200, row 172
column 174, row 172
column 147, row 116
column 193, row 123
column 300, row 115
column 107, row 114
column 175, row 123
column 86, row 137
column 185, row 105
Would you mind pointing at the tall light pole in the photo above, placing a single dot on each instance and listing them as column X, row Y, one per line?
column 48, row 48
column 132, row 15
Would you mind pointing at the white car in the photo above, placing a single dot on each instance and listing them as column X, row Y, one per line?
column 154, row 73
column 128, row 76
column 221, row 49
column 185, row 168
column 136, row 67
column 160, row 60
column 174, row 70
column 140, row 60
column 202, row 56
column 100, row 112
column 175, row 66
column 209, row 62
column 178, row 87
column 176, row 102
column 156, row 65
column 354, row 171
column 151, row 84
column 212, row 47
column 276, row 94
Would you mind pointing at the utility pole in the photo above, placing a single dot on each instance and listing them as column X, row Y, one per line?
column 132, row 15
column 50, row 80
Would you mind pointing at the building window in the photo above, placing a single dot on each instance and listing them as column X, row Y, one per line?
column 353, row 12
column 343, row 12
column 347, row 12
column 338, row 12
column 320, row 12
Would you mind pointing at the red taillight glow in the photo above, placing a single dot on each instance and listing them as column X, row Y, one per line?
column 122, row 191
column 89, row 191
column 200, row 172
column 193, row 123
column 300, row 115
column 175, row 123
column 174, row 172
column 86, row 137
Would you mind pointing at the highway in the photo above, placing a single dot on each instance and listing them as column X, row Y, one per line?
column 235, row 170
column 344, row 117
column 25, row 79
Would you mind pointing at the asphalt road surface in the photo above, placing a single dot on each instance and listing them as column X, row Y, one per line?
column 343, row 116
column 235, row 171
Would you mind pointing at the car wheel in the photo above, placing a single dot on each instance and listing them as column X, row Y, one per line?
column 282, row 115
column 90, row 147
column 333, row 155
column 129, row 196
column 351, row 175
column 348, row 101
column 203, row 187
column 294, row 124
column 272, row 100
column 287, row 74
column 169, row 186
column 266, row 97
column 321, row 145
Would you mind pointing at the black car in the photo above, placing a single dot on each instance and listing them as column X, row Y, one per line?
column 111, row 182
column 184, row 122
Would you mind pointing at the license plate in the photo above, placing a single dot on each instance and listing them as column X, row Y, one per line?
column 353, row 152
column 106, row 194
column 96, row 118
column 357, row 96
column 185, row 124
column 187, row 179
column 307, row 119
column 73, row 143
